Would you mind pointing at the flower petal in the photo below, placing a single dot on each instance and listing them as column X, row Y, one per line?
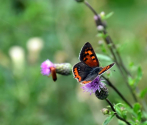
column 45, row 67
column 93, row 86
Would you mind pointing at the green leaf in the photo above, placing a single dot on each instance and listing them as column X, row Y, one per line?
column 121, row 110
column 139, row 115
column 108, row 15
column 143, row 93
column 131, row 81
column 118, row 110
column 103, row 49
column 137, row 110
column 131, row 64
column 102, row 35
column 139, row 74
column 108, row 119
column 130, row 111
column 135, row 81
column 121, row 122
column 136, row 107
column 145, row 123
column 103, row 57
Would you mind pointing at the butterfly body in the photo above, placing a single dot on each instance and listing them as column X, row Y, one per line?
column 88, row 68
column 93, row 74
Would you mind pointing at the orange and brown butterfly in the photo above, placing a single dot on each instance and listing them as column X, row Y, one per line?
column 88, row 68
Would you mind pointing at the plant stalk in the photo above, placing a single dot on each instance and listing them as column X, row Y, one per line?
column 116, row 112
column 117, row 91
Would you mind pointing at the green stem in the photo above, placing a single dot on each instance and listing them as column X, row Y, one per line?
column 116, row 90
column 116, row 112
column 109, row 41
column 90, row 7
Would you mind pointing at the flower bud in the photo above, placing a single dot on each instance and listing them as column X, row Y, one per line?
column 100, row 28
column 102, row 94
column 100, row 42
column 63, row 68
column 105, row 111
column 102, row 14
column 99, row 21
column 122, row 109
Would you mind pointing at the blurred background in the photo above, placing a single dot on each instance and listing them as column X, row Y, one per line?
column 32, row 31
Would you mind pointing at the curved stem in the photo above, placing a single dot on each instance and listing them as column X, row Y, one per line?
column 113, row 50
column 116, row 112
column 110, row 40
column 116, row 90
column 90, row 7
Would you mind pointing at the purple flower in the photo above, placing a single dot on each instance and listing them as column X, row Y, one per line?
column 96, row 17
column 45, row 67
column 93, row 86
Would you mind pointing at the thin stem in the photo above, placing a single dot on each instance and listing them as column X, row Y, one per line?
column 119, row 57
column 87, row 4
column 116, row 112
column 109, row 41
column 131, row 90
column 111, row 85
column 108, row 38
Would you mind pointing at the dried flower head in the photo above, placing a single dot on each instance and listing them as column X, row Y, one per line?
column 63, row 68
column 105, row 111
column 46, row 67
column 102, row 94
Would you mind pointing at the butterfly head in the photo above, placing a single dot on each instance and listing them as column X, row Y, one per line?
column 96, row 70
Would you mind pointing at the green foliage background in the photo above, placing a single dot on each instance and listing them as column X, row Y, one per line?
column 27, row 97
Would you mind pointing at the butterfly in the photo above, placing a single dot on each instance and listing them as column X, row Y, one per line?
column 88, row 68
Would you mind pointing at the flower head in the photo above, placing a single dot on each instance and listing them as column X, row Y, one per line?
column 93, row 86
column 105, row 111
column 46, row 67
column 100, row 28
column 63, row 68
column 103, row 94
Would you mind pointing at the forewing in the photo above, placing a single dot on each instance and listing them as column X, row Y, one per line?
column 105, row 68
column 88, row 56
column 80, row 71
column 85, row 82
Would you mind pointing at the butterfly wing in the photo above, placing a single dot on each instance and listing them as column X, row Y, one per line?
column 105, row 69
column 88, row 56
column 81, row 71
column 88, row 69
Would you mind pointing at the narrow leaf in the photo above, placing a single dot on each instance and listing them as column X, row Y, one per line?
column 108, row 119
column 121, row 122
column 136, row 107
column 131, row 64
column 103, row 57
column 143, row 93
column 139, row 74
column 131, row 81
column 108, row 15
column 102, row 35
